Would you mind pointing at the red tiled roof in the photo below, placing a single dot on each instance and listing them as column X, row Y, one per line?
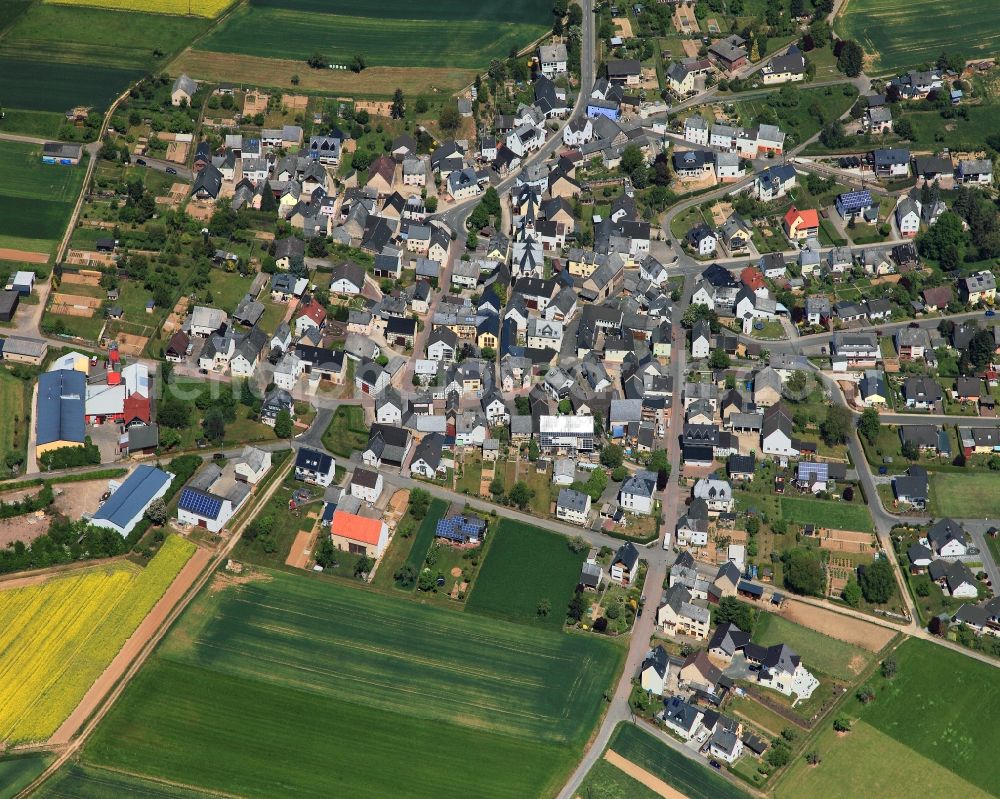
column 355, row 528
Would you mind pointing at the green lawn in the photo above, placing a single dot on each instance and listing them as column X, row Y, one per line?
column 957, row 494
column 273, row 688
column 227, row 288
column 898, row 35
column 524, row 566
column 18, row 772
column 15, row 415
column 472, row 35
column 425, row 533
column 819, row 652
column 691, row 779
column 836, row 515
column 287, row 525
column 813, row 109
column 347, row 431
column 36, row 199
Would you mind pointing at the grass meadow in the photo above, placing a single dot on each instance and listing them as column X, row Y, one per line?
column 833, row 515
column 693, row 780
column 261, row 690
column 899, row 34
column 15, row 415
column 36, row 198
column 444, row 34
column 914, row 726
column 512, row 582
column 819, row 652
column 954, row 493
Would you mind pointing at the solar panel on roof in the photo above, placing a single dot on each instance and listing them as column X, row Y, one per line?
column 200, row 504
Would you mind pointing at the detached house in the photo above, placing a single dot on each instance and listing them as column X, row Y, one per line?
column 625, row 564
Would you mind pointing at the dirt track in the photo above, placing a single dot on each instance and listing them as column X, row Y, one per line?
column 854, row 631
column 652, row 782
column 133, row 646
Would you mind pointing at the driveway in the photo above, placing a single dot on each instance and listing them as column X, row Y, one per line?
column 106, row 437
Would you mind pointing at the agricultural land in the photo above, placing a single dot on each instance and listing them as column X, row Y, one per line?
column 59, row 636
column 259, row 678
column 899, row 34
column 36, row 199
column 911, row 727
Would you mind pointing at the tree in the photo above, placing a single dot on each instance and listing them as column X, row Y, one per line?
column 612, row 456
column 214, row 424
column 523, row 406
column 981, row 348
column 813, row 758
column 398, row 105
column 521, row 494
column 577, row 544
column 632, row 160
column 778, row 755
column 317, row 61
column 496, row 487
column 851, row 58
column 406, row 575
column 283, row 424
column 903, row 128
column 174, row 412
column 449, row 119
column 420, row 500
column 363, row 566
column 797, row 384
column 576, row 607
column 697, row 313
column 533, row 450
column 471, row 240
column 889, row 668
column 565, row 407
column 910, row 450
column 869, row 425
column 619, row 474
column 157, row 512
column 357, row 63
column 865, row 694
column 842, row 724
column 730, row 610
column 719, row 359
column 877, row 582
column 835, row 426
column 543, row 608
column 803, row 572
column 852, row 593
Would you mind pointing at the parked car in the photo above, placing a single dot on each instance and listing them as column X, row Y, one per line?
column 991, row 313
column 170, row 170
column 141, row 161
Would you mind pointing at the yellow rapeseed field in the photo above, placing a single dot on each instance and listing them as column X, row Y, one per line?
column 56, row 638
column 198, row 8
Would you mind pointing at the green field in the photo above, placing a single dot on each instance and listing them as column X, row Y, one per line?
column 56, row 57
column 442, row 34
column 87, row 782
column 524, row 566
column 954, row 494
column 17, row 773
column 912, row 727
column 36, row 199
column 834, row 515
column 15, row 415
column 276, row 687
column 868, row 763
column 691, row 779
column 819, row 652
column 605, row 781
column 906, row 33
column 812, row 109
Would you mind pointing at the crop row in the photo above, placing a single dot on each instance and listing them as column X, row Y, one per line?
column 56, row 638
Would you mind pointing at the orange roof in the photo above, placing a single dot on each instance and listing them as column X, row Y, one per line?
column 809, row 217
column 356, row 528
column 752, row 278
column 314, row 311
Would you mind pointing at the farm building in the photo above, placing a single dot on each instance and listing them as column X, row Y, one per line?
column 8, row 305
column 359, row 534
column 127, row 503
column 59, row 415
column 24, row 350
column 461, row 529
column 55, row 152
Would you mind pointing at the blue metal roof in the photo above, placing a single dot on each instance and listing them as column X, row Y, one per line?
column 133, row 496
column 61, row 402
column 200, row 503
